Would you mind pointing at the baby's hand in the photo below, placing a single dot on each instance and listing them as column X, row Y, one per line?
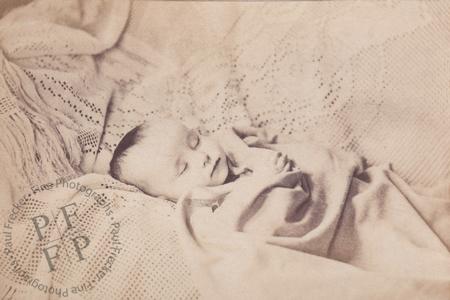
column 266, row 161
column 281, row 162
column 254, row 136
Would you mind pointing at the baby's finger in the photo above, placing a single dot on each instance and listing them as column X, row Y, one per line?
column 276, row 158
column 258, row 138
column 262, row 135
column 287, row 167
column 272, row 138
column 252, row 141
column 281, row 162
column 267, row 137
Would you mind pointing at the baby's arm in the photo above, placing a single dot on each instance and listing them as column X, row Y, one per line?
column 307, row 156
column 233, row 145
column 312, row 158
column 253, row 158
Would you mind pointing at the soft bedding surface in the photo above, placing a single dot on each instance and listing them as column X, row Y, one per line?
column 327, row 229
column 368, row 77
column 120, row 244
column 117, row 243
column 77, row 75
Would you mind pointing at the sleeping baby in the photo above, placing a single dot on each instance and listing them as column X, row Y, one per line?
column 237, row 201
column 166, row 159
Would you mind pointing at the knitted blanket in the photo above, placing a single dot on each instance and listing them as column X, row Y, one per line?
column 367, row 77
column 59, row 239
column 77, row 75
column 53, row 98
column 91, row 237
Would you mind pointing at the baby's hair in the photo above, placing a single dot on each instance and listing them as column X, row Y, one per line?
column 130, row 139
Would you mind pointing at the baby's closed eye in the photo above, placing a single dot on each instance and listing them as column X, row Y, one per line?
column 181, row 167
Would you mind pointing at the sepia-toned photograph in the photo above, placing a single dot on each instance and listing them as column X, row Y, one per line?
column 231, row 150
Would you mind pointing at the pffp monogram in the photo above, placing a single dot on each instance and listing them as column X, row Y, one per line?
column 79, row 242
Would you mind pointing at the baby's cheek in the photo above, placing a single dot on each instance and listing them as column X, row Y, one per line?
column 191, row 180
column 220, row 175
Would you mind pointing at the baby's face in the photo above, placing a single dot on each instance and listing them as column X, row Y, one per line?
column 172, row 159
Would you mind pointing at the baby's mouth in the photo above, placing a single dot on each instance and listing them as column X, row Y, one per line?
column 216, row 163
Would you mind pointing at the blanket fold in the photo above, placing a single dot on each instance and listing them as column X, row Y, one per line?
column 323, row 220
column 53, row 105
column 53, row 98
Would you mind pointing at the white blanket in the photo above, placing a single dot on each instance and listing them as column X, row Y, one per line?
column 320, row 232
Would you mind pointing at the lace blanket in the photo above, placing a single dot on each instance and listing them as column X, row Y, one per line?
column 91, row 238
column 77, row 75
column 53, row 99
column 368, row 77
column 53, row 104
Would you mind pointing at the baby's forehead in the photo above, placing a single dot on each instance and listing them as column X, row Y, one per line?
column 152, row 157
column 166, row 136
column 162, row 143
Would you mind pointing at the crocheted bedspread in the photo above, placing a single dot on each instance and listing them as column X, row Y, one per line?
column 77, row 75
column 371, row 78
